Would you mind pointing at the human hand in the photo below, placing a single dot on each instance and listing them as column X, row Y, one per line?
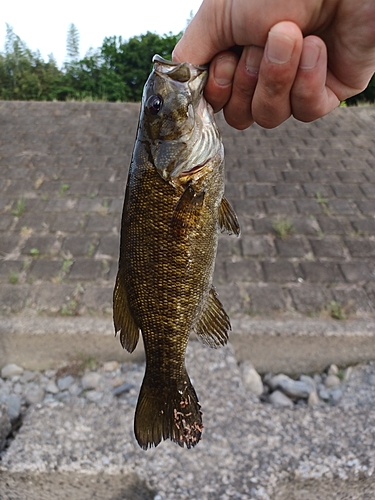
column 298, row 58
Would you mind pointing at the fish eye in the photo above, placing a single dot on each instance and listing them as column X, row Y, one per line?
column 154, row 104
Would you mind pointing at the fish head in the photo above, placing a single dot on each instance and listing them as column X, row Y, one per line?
column 177, row 124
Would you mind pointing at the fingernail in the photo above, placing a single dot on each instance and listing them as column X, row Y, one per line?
column 254, row 56
column 279, row 47
column 224, row 71
column 309, row 57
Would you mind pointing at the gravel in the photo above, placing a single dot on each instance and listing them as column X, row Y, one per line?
column 249, row 447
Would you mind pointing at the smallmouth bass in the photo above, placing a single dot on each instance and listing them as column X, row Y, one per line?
column 173, row 211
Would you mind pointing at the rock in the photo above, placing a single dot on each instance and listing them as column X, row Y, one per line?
column 51, row 387
column 323, row 393
column 309, row 381
column 94, row 396
column 317, row 379
column 251, row 378
column 11, row 370
column 14, row 407
column 27, row 376
column 91, row 380
column 277, row 398
column 335, row 395
column 274, row 381
column 347, row 373
column 5, row 425
column 110, row 366
column 332, row 381
column 290, row 387
column 50, row 373
column 121, row 389
column 64, row 383
column 75, row 389
column 313, row 399
column 332, row 370
column 34, row 395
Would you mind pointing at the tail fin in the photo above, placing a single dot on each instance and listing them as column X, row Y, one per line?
column 168, row 413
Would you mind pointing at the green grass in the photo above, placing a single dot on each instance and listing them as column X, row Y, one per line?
column 20, row 208
column 63, row 189
column 283, row 228
column 34, row 252
column 13, row 278
column 336, row 311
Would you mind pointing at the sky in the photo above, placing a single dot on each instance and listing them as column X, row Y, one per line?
column 43, row 24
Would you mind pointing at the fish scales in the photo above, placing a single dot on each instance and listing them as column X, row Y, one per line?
column 173, row 208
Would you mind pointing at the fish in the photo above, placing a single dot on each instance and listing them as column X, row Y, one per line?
column 174, row 209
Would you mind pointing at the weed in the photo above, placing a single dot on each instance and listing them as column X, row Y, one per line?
column 63, row 189
column 20, row 208
column 34, row 252
column 66, row 264
column 90, row 251
column 13, row 278
column 322, row 202
column 283, row 228
column 45, row 197
column 69, row 309
column 336, row 311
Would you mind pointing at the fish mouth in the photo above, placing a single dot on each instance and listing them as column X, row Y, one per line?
column 179, row 72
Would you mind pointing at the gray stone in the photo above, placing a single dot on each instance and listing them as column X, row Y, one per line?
column 332, row 381
column 91, row 380
column 308, row 380
column 122, row 389
column 34, row 395
column 51, row 387
column 27, row 376
column 5, row 425
column 11, row 370
column 75, row 389
column 323, row 393
column 317, row 379
column 94, row 396
column 251, row 378
column 292, row 388
column 14, row 407
column 278, row 398
column 335, row 395
column 64, row 383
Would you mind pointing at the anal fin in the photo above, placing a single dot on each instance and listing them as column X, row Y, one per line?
column 213, row 325
column 122, row 317
column 228, row 219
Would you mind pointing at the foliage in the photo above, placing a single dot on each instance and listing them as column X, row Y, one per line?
column 116, row 71
column 283, row 228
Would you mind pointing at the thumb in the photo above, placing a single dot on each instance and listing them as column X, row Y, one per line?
column 203, row 38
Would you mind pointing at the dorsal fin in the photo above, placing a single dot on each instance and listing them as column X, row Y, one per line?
column 213, row 325
column 122, row 317
column 228, row 219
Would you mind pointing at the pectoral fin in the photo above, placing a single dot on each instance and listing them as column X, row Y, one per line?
column 122, row 317
column 213, row 325
column 228, row 219
column 186, row 211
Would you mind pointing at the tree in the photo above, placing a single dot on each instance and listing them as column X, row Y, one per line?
column 72, row 44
